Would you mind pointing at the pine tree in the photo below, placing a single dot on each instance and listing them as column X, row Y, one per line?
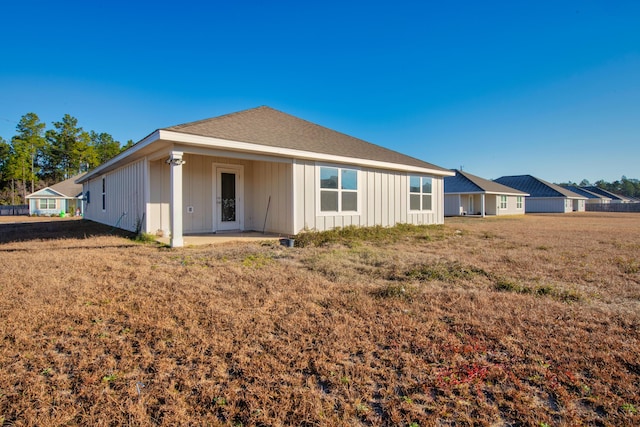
column 69, row 150
column 28, row 145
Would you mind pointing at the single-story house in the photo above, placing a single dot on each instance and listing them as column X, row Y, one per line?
column 592, row 198
column 467, row 194
column 615, row 198
column 263, row 170
column 64, row 196
column 544, row 196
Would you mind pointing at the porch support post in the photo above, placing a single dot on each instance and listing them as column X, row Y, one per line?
column 175, row 163
column 482, row 204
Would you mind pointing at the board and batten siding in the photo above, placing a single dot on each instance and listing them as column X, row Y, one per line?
column 512, row 203
column 260, row 179
column 270, row 180
column 383, row 200
column 124, row 196
column 546, row 204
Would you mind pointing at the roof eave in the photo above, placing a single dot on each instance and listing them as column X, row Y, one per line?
column 206, row 141
column 35, row 194
column 109, row 164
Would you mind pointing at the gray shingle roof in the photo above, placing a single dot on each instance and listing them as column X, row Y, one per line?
column 266, row 126
column 464, row 182
column 67, row 188
column 537, row 187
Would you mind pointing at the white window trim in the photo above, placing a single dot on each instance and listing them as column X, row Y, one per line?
column 519, row 202
column 506, row 202
column 55, row 204
column 409, row 193
column 358, row 191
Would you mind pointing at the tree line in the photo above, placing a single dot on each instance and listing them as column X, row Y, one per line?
column 629, row 187
column 36, row 157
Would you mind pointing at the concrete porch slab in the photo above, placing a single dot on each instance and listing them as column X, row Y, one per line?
column 215, row 238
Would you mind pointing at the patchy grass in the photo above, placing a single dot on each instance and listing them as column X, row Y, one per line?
column 352, row 235
column 522, row 321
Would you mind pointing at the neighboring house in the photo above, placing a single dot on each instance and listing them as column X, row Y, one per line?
column 592, row 198
column 260, row 169
column 64, row 197
column 544, row 196
column 467, row 194
column 615, row 198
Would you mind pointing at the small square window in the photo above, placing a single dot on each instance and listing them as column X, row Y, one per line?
column 420, row 193
column 338, row 189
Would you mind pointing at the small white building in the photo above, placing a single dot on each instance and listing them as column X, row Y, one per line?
column 467, row 194
column 545, row 196
column 260, row 169
column 592, row 197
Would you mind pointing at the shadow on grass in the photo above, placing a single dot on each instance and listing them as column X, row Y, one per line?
column 56, row 229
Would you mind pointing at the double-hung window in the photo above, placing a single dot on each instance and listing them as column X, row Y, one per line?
column 519, row 202
column 503, row 202
column 338, row 189
column 420, row 193
column 47, row 203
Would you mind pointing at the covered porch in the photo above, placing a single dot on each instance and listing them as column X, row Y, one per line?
column 196, row 195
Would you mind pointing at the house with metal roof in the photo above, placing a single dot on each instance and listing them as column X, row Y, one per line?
column 467, row 194
column 615, row 198
column 263, row 170
column 592, row 198
column 63, row 197
column 544, row 196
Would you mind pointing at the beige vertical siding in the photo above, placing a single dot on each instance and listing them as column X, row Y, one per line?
column 272, row 180
column 125, row 189
column 541, row 204
column 512, row 203
column 453, row 204
column 159, row 194
column 383, row 200
column 197, row 194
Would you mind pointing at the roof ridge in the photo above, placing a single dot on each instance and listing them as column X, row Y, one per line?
column 195, row 122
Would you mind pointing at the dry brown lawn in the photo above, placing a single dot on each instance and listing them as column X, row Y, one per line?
column 531, row 321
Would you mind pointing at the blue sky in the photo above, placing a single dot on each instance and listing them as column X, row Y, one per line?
column 548, row 88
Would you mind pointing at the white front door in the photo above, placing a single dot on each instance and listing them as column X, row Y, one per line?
column 470, row 210
column 228, row 198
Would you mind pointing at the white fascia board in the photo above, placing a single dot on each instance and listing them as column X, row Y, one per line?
column 130, row 151
column 291, row 153
column 507, row 194
column 38, row 195
column 486, row 192
column 463, row 192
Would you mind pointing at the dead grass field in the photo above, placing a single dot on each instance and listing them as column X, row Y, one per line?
column 530, row 321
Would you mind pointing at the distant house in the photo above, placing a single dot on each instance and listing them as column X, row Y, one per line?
column 592, row 198
column 545, row 196
column 467, row 194
column 64, row 197
column 260, row 169
column 615, row 198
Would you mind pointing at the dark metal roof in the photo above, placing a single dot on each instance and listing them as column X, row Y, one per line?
column 537, row 187
column 604, row 193
column 584, row 192
column 464, row 182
